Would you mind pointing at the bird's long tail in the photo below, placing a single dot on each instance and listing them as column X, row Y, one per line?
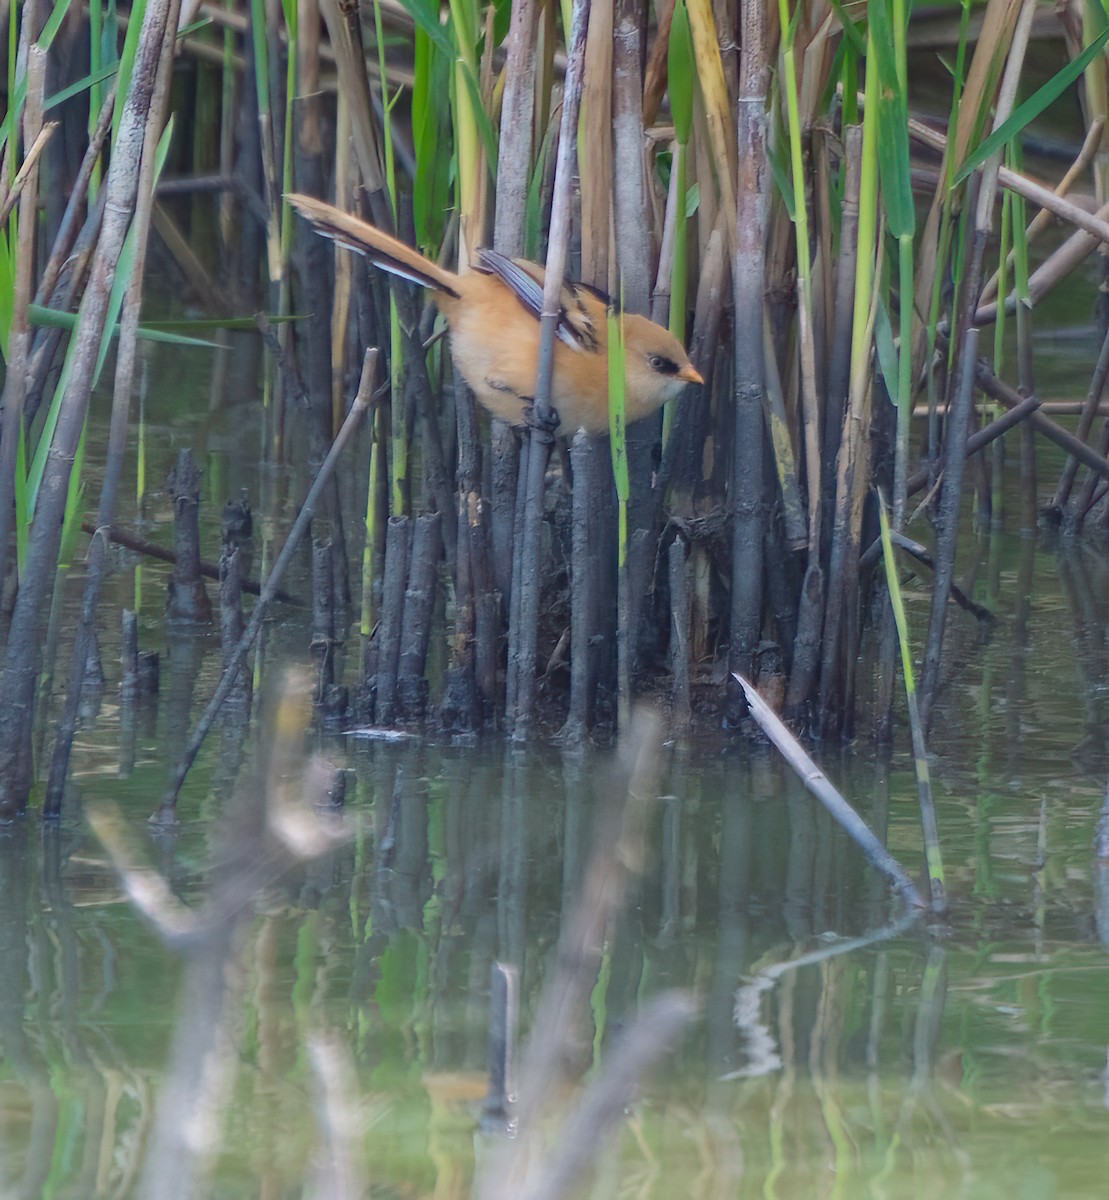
column 382, row 249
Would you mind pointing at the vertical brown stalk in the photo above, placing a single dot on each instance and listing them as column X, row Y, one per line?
column 633, row 258
column 839, row 362
column 528, row 546
column 960, row 403
column 397, row 548
column 419, row 600
column 345, row 34
column 678, row 571
column 23, row 657
column 595, row 167
column 1085, row 424
column 513, row 176
column 746, row 500
column 517, row 112
column 655, row 76
column 582, row 454
column 314, row 330
column 118, row 423
column 19, row 337
column 846, row 415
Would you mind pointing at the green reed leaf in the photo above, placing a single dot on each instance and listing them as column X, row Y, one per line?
column 1032, row 107
column 682, row 72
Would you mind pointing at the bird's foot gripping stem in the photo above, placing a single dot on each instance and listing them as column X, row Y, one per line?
column 542, row 427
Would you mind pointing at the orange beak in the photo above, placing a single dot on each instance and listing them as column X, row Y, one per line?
column 690, row 374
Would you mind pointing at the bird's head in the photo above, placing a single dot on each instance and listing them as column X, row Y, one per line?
column 656, row 366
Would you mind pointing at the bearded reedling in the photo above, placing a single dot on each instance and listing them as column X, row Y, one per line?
column 493, row 317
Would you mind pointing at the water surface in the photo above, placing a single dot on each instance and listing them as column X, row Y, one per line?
column 962, row 1059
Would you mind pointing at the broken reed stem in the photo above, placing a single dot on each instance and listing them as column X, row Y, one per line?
column 231, row 626
column 167, row 813
column 75, row 206
column 471, row 564
column 188, row 597
column 504, row 1013
column 821, row 787
column 148, row 549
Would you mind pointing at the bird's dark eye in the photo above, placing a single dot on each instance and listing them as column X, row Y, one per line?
column 662, row 364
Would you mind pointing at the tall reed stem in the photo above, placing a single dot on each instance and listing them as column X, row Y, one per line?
column 528, row 547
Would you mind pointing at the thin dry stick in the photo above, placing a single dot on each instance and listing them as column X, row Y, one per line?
column 1044, row 217
column 1056, row 269
column 989, row 433
column 167, row 813
column 821, row 787
column 997, row 390
column 1094, row 489
column 75, row 206
column 1095, row 224
column 30, row 163
column 131, row 541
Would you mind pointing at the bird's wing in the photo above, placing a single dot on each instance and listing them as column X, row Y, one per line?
column 576, row 326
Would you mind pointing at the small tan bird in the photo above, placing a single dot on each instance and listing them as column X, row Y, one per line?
column 493, row 315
